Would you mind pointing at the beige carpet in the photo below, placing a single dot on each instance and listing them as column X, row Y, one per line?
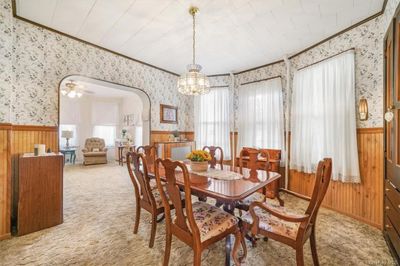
column 98, row 222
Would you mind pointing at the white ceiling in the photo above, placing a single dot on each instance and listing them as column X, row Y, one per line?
column 233, row 35
column 101, row 89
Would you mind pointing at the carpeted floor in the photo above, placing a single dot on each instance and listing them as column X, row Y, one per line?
column 98, row 222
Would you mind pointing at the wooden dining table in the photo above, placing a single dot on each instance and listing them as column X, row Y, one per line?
column 226, row 192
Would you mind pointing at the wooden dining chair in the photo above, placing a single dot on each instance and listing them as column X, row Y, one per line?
column 248, row 158
column 150, row 152
column 214, row 161
column 279, row 223
column 199, row 224
column 147, row 198
column 256, row 160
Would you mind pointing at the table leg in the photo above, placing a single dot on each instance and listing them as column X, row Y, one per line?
column 229, row 208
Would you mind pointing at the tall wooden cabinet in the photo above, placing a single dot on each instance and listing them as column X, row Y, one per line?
column 391, row 208
column 40, row 192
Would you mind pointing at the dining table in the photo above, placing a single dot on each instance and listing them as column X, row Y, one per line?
column 227, row 186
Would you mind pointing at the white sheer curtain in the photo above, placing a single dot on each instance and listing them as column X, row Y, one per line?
column 212, row 120
column 261, row 122
column 108, row 133
column 323, row 121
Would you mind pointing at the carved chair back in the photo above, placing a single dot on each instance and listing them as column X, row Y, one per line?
column 252, row 155
column 139, row 177
column 322, row 180
column 184, row 223
column 150, row 152
column 213, row 150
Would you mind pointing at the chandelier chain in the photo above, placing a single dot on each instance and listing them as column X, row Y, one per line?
column 194, row 38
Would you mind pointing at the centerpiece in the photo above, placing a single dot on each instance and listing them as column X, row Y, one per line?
column 199, row 160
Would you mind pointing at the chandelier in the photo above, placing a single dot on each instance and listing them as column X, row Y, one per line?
column 193, row 82
column 72, row 90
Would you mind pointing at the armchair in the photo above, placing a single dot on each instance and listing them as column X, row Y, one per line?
column 94, row 152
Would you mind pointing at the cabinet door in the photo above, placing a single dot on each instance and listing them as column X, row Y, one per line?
column 392, row 104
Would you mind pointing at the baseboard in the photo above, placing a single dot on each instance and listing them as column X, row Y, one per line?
column 5, row 236
column 358, row 218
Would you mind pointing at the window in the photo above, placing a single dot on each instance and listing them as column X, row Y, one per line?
column 212, row 120
column 260, row 115
column 73, row 141
column 323, row 121
column 108, row 133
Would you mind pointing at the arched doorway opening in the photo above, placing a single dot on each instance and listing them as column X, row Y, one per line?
column 92, row 108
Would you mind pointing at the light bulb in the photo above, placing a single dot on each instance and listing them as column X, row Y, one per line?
column 72, row 94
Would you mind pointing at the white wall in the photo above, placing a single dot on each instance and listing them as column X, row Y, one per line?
column 78, row 111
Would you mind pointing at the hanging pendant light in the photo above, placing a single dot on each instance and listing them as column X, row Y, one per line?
column 72, row 90
column 193, row 82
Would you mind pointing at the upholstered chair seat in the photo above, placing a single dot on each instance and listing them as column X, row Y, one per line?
column 211, row 220
column 273, row 224
column 260, row 197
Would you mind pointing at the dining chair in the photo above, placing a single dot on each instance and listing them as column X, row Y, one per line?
column 256, row 160
column 214, row 161
column 147, row 198
column 283, row 225
column 197, row 224
column 150, row 152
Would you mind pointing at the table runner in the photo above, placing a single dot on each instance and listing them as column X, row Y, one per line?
column 219, row 174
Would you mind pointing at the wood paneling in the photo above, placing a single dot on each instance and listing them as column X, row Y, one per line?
column 40, row 203
column 361, row 201
column 22, row 140
column 5, row 181
column 160, row 136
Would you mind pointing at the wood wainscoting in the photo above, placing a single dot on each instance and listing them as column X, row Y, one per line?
column 161, row 136
column 5, row 180
column 361, row 201
column 15, row 140
column 23, row 138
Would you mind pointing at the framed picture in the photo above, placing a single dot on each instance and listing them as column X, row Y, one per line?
column 168, row 114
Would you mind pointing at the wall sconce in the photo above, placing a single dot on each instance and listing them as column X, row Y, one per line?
column 363, row 109
column 389, row 114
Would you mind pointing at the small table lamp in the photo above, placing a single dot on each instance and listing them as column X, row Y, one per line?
column 67, row 134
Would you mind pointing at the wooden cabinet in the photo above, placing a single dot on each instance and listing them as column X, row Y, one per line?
column 392, row 137
column 40, row 192
column 176, row 150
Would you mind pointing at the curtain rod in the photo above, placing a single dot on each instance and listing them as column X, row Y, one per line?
column 327, row 58
column 261, row 80
column 219, row 86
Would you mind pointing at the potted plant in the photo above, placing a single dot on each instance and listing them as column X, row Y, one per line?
column 175, row 133
column 123, row 131
column 199, row 160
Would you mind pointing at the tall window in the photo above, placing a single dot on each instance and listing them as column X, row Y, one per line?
column 212, row 120
column 323, row 118
column 105, row 120
column 261, row 122
column 108, row 133
column 73, row 141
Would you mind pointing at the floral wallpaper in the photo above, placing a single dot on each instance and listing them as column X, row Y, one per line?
column 367, row 39
column 388, row 14
column 34, row 60
column 39, row 59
